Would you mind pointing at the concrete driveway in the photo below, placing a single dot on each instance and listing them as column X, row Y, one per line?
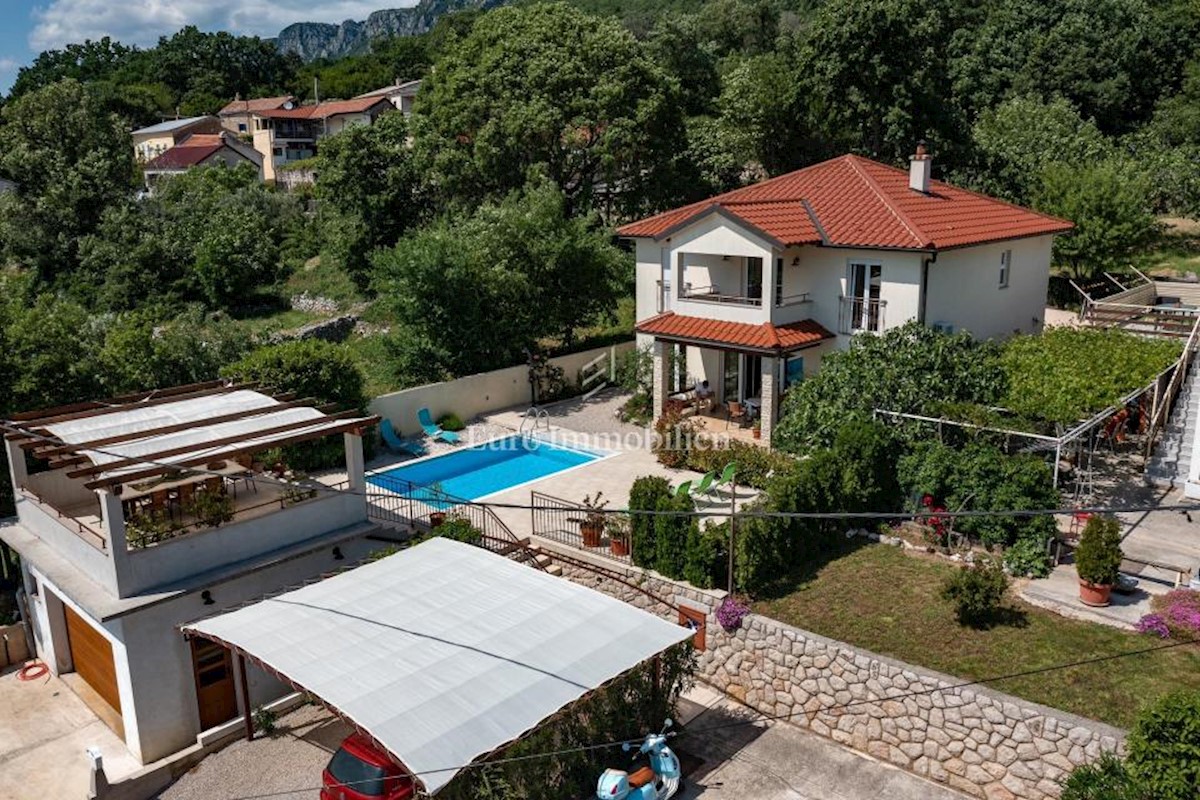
column 45, row 730
column 773, row 761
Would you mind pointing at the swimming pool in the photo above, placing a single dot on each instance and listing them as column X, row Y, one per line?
column 484, row 469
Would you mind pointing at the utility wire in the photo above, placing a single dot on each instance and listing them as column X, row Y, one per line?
column 761, row 718
column 708, row 513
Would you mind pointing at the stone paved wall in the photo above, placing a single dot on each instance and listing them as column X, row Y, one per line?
column 984, row 743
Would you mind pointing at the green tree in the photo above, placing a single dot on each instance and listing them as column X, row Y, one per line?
column 89, row 61
column 473, row 294
column 1110, row 205
column 875, row 74
column 905, row 369
column 763, row 118
column 238, row 253
column 1164, row 747
column 71, row 159
column 370, row 191
column 307, row 367
column 676, row 44
column 1018, row 139
column 148, row 350
column 549, row 86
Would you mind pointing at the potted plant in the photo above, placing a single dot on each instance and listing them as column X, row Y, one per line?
column 591, row 524
column 618, row 535
column 756, row 429
column 436, row 494
column 1098, row 559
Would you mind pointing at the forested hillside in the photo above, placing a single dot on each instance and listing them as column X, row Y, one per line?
column 480, row 228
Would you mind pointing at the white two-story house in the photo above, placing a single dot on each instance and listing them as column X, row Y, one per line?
column 752, row 287
column 139, row 514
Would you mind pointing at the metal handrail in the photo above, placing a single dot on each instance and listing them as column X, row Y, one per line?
column 712, row 294
column 855, row 307
column 537, row 414
column 793, row 300
column 1158, row 420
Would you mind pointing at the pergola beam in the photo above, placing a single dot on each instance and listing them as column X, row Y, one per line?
column 41, row 423
column 133, row 397
column 55, row 452
column 357, row 425
column 96, row 469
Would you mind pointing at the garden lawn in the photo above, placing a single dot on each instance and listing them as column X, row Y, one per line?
column 882, row 599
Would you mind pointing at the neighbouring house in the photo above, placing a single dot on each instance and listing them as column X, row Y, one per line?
column 286, row 135
column 401, row 94
column 201, row 149
column 238, row 116
column 157, row 139
column 752, row 287
column 139, row 514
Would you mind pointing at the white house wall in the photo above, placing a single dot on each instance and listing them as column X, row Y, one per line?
column 648, row 273
column 964, row 288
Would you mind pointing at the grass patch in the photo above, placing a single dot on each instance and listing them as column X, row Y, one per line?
column 323, row 280
column 371, row 355
column 1175, row 254
column 887, row 601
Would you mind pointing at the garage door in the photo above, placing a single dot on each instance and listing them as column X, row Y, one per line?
column 93, row 657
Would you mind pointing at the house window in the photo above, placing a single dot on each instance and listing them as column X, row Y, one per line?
column 241, row 127
column 866, row 281
column 793, row 371
column 696, row 620
column 1005, row 265
column 754, row 287
column 779, row 281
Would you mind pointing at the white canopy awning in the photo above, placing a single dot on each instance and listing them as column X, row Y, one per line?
column 444, row 652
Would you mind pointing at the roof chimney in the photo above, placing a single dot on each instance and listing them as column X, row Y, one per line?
column 920, row 169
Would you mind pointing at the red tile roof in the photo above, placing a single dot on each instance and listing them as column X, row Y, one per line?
column 188, row 153
column 743, row 335
column 323, row 110
column 851, row 201
column 256, row 105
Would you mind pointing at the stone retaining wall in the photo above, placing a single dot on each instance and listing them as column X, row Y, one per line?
column 979, row 741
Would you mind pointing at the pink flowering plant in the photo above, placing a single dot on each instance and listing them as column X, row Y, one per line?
column 1176, row 613
column 731, row 613
column 937, row 529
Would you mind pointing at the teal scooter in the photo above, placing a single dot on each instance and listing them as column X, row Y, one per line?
column 659, row 781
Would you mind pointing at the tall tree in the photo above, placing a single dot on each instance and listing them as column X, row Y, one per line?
column 71, row 159
column 551, row 86
column 475, row 293
column 370, row 192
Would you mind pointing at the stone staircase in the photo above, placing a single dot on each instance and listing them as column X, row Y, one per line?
column 1172, row 458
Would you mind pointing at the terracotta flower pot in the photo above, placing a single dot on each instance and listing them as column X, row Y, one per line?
column 1094, row 594
column 619, row 547
column 591, row 532
column 437, row 518
column 757, row 433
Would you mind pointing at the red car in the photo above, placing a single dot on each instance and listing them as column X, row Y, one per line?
column 360, row 771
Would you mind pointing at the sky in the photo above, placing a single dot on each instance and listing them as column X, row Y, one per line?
column 28, row 27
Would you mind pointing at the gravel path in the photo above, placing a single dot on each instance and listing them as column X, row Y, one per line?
column 289, row 762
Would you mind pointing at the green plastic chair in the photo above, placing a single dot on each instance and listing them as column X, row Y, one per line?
column 727, row 475
column 683, row 489
column 706, row 483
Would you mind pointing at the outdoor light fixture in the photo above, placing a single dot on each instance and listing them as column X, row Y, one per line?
column 796, row 261
column 337, row 554
column 206, row 596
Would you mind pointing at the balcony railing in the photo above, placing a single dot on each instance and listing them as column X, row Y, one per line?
column 713, row 294
column 792, row 300
column 860, row 314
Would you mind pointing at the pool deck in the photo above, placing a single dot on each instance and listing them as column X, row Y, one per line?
column 586, row 423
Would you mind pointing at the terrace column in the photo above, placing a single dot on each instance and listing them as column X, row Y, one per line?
column 112, row 518
column 770, row 397
column 662, row 365
column 16, row 465
column 355, row 467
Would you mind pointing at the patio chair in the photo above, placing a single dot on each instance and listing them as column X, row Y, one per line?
column 706, row 484
column 434, row 430
column 734, row 410
column 683, row 489
column 394, row 443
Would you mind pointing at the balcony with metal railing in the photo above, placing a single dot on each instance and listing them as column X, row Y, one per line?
column 857, row 314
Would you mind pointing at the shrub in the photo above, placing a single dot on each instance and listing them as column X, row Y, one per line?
column 451, row 422
column 731, row 613
column 673, row 438
column 265, row 720
column 645, row 495
column 1164, row 748
column 1106, row 779
column 976, row 592
column 754, row 463
column 707, row 558
column 671, row 534
column 638, row 409
column 459, row 529
column 1098, row 557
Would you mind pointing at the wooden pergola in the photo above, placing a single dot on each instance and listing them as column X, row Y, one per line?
column 36, row 432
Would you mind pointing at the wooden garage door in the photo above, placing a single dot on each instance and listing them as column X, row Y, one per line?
column 93, row 658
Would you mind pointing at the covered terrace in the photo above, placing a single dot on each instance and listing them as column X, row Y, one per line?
column 747, row 367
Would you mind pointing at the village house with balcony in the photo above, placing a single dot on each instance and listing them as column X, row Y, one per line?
column 291, row 133
column 748, row 290
column 141, row 513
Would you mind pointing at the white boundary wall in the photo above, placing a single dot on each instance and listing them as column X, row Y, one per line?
column 473, row 395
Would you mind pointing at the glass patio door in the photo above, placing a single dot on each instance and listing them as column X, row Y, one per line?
column 754, row 278
column 731, row 375
column 865, row 284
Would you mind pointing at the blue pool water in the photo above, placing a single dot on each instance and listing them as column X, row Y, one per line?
column 484, row 469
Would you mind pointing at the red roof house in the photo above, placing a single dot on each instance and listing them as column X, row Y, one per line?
column 751, row 288
column 201, row 149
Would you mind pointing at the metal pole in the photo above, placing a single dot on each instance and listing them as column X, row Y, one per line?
column 732, row 527
column 1057, row 459
column 246, row 715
